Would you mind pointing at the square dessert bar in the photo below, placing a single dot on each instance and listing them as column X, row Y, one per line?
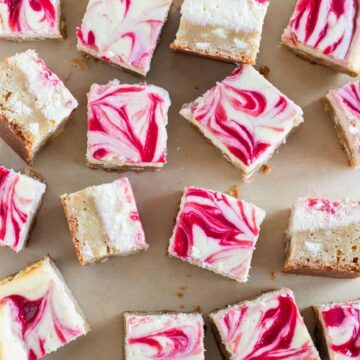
column 246, row 117
column 123, row 33
column 30, row 20
column 38, row 313
column 164, row 336
column 228, row 30
column 323, row 238
column 104, row 221
column 127, row 126
column 268, row 327
column 338, row 329
column 343, row 106
column 20, row 200
column 34, row 103
column 326, row 32
column 216, row 232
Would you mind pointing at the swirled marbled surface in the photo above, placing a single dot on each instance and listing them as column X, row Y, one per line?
column 127, row 125
column 217, row 232
column 123, row 32
column 269, row 327
column 164, row 336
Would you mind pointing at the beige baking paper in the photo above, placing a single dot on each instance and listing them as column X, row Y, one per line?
column 311, row 163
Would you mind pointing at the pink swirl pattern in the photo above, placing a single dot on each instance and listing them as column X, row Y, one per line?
column 269, row 327
column 29, row 16
column 329, row 26
column 17, row 207
column 245, row 116
column 11, row 216
column 348, row 98
column 342, row 328
column 216, row 232
column 127, row 124
column 123, row 32
column 29, row 315
column 165, row 337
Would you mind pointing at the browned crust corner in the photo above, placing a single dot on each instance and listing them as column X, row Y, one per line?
column 324, row 62
column 320, row 338
column 224, row 353
column 73, row 227
column 30, row 268
column 340, row 133
column 342, row 272
column 220, row 56
column 15, row 138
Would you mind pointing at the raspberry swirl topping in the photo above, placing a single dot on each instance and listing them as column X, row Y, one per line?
column 29, row 16
column 217, row 230
column 245, row 116
column 326, row 25
column 124, row 32
column 127, row 124
column 168, row 336
column 19, row 199
column 33, row 317
column 342, row 328
column 269, row 327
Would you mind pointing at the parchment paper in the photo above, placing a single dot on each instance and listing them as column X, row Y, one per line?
column 311, row 163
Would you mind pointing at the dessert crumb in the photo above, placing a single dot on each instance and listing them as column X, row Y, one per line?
column 33, row 174
column 266, row 169
column 353, row 123
column 273, row 275
column 182, row 307
column 181, row 292
column 234, row 191
column 178, row 148
column 198, row 309
column 197, row 88
column 264, row 70
column 79, row 64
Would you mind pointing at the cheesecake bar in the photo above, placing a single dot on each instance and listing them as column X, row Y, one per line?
column 338, row 329
column 104, row 221
column 323, row 238
column 216, row 232
column 343, row 106
column 38, row 313
column 20, row 200
column 127, row 126
column 268, row 327
column 30, row 20
column 228, row 30
column 34, row 103
column 326, row 32
column 123, row 33
column 164, row 336
column 246, row 117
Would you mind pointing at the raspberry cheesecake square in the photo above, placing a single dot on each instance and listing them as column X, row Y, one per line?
column 338, row 326
column 34, row 103
column 228, row 30
column 20, row 200
column 343, row 105
column 123, row 33
column 164, row 335
column 323, row 238
column 104, row 221
column 216, row 232
column 30, row 20
column 326, row 32
column 246, row 117
column 127, row 126
column 38, row 313
column 268, row 327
